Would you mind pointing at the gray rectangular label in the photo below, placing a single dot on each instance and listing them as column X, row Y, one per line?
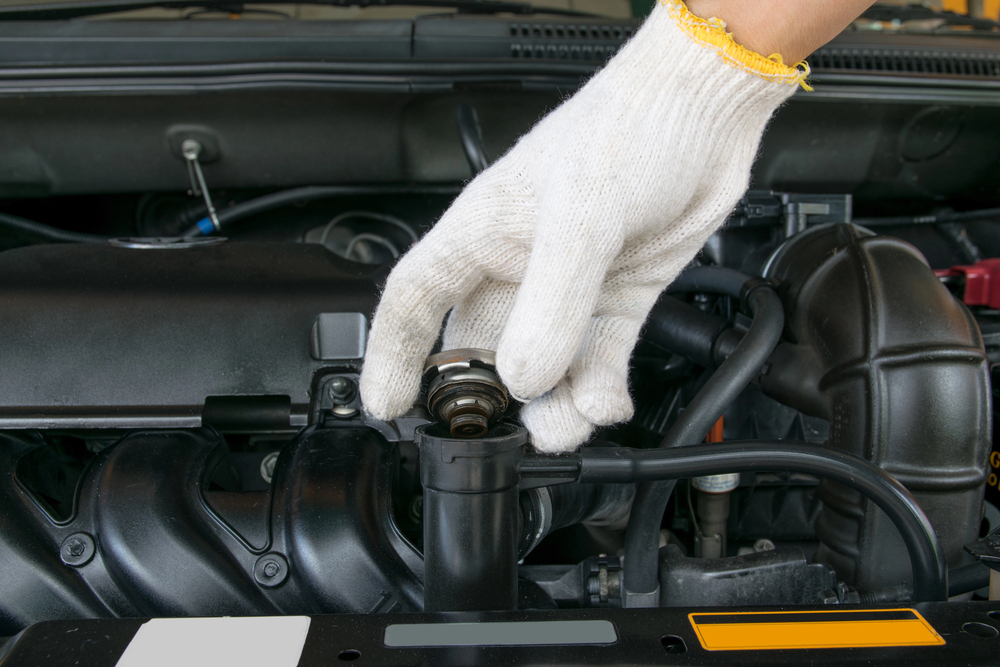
column 537, row 633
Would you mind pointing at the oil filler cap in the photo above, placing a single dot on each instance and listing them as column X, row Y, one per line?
column 464, row 391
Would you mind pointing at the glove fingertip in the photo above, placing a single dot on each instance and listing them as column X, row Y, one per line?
column 385, row 398
column 390, row 377
column 604, row 405
column 555, row 425
column 526, row 375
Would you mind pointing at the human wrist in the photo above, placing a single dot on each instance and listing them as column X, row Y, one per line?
column 790, row 28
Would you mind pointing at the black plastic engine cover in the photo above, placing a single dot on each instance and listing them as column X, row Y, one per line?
column 777, row 577
column 147, row 535
column 93, row 335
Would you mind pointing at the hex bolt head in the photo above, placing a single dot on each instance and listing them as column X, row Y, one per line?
column 77, row 549
column 270, row 570
column 342, row 389
column 190, row 149
column 763, row 544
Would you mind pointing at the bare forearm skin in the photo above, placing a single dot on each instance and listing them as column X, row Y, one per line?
column 792, row 28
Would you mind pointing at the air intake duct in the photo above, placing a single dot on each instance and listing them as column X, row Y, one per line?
column 876, row 345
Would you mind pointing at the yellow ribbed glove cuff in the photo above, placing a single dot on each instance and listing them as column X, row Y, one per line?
column 711, row 33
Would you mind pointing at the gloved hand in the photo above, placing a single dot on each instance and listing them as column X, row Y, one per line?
column 554, row 255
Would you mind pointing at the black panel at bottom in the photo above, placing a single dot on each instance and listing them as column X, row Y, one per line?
column 645, row 637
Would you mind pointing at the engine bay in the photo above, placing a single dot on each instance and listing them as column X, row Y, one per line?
column 192, row 255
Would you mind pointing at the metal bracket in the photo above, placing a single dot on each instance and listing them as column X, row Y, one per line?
column 987, row 550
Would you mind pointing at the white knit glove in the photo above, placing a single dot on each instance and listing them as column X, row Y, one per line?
column 554, row 255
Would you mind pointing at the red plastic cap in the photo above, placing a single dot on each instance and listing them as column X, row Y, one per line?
column 982, row 282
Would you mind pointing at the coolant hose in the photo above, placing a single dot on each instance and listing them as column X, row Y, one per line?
column 620, row 464
column 968, row 578
column 642, row 536
column 704, row 338
column 716, row 279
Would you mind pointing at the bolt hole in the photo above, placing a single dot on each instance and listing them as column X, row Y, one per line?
column 980, row 630
column 351, row 654
column 674, row 645
column 995, row 615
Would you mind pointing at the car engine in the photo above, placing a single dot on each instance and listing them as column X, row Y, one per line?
column 192, row 255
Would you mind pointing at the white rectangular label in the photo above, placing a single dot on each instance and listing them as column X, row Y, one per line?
column 254, row 641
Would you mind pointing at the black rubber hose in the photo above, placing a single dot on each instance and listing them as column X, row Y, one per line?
column 968, row 578
column 735, row 373
column 579, row 503
column 685, row 330
column 308, row 193
column 717, row 279
column 930, row 571
column 46, row 232
column 731, row 378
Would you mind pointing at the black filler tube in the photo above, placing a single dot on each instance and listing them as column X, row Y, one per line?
column 471, row 517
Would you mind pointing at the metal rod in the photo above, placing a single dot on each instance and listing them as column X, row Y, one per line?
column 191, row 149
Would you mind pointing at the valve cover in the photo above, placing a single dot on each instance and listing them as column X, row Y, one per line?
column 142, row 334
